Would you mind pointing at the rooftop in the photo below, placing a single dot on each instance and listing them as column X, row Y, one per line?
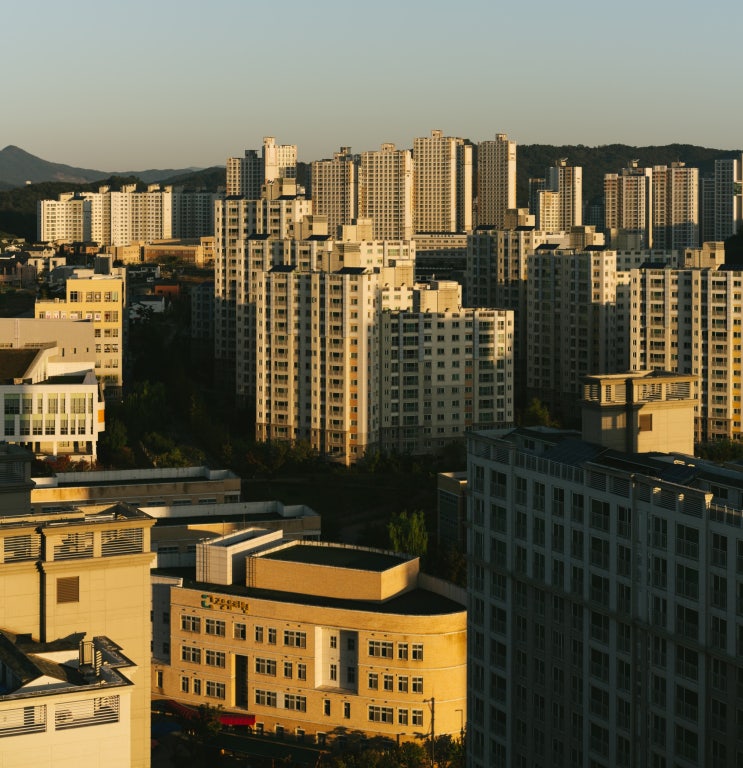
column 337, row 556
column 14, row 363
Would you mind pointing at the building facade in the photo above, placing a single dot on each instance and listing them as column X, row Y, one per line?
column 335, row 189
column 496, row 181
column 605, row 625
column 443, row 184
column 317, row 640
column 386, row 192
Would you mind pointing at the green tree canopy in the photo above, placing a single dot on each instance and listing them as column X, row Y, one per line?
column 408, row 533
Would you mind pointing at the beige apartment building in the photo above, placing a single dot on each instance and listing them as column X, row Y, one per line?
column 386, row 192
column 101, row 299
column 246, row 175
column 496, row 181
column 67, row 577
column 316, row 640
column 335, row 189
column 443, row 183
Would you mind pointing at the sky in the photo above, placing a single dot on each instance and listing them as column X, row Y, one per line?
column 133, row 85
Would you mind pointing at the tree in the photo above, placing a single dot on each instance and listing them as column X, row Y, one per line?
column 408, row 533
column 537, row 415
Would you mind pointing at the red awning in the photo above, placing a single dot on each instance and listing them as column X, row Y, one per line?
column 226, row 718
column 231, row 719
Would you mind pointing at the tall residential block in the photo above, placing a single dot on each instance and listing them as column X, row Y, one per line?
column 628, row 207
column 558, row 198
column 728, row 197
column 246, row 175
column 675, row 207
column 335, row 192
column 443, row 183
column 570, row 324
column 604, row 621
column 496, row 180
column 386, row 192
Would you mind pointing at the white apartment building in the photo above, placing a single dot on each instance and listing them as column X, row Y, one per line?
column 386, row 192
column 496, row 180
column 605, row 621
column 443, row 183
column 119, row 218
column 51, row 406
column 728, row 197
column 689, row 321
column 100, row 299
column 628, row 207
column 675, row 207
column 445, row 370
column 570, row 322
column 335, row 189
column 557, row 200
column 246, row 175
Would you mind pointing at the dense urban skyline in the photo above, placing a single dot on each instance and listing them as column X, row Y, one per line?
column 166, row 85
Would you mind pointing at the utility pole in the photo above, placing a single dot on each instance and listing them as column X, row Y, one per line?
column 432, row 704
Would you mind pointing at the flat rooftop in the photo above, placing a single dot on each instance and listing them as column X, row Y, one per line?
column 337, row 557
column 416, row 602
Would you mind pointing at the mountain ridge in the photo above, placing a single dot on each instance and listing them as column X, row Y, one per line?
column 19, row 167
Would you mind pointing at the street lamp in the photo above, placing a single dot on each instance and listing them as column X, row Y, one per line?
column 461, row 723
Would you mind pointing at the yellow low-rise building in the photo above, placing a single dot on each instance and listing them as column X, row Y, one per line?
column 315, row 640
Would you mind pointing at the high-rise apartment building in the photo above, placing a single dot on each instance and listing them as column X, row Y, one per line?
column 628, row 207
column 386, row 192
column 445, row 370
column 728, row 197
column 567, row 181
column 675, row 207
column 690, row 321
column 570, row 322
column 335, row 191
column 246, row 175
column 112, row 218
column 443, row 183
column 496, row 180
column 604, row 622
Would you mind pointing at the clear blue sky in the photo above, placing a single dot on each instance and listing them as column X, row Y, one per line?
column 135, row 85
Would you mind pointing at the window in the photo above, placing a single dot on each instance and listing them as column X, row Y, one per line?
column 334, row 672
column 301, row 671
column 191, row 654
column 417, row 717
column 215, row 658
column 197, row 687
column 388, row 682
column 402, row 683
column 295, row 639
column 334, row 641
column 346, row 709
column 215, row 627
column 185, row 684
column 265, row 666
column 326, row 706
column 190, row 623
column 351, row 644
column 380, row 714
column 293, row 701
column 417, row 685
column 259, row 634
column 272, row 635
column 402, row 651
column 265, row 698
column 373, row 681
column 240, row 631
column 417, row 652
column 380, row 648
column 351, row 675
column 68, row 589
column 288, row 669
column 402, row 716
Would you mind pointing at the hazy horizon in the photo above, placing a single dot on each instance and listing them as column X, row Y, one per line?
column 172, row 85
